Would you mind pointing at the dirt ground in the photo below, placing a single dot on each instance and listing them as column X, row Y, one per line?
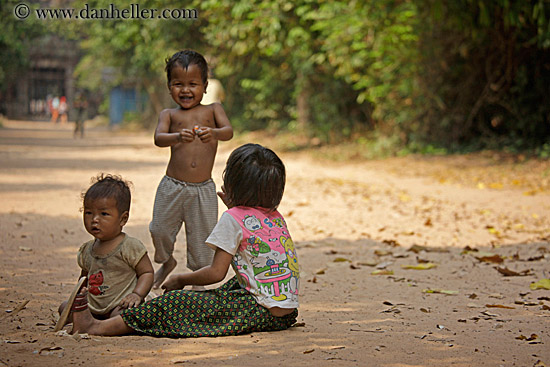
column 358, row 227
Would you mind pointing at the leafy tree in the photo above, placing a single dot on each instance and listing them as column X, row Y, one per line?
column 15, row 40
column 485, row 73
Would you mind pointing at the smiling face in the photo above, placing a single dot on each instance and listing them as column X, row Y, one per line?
column 186, row 86
column 102, row 218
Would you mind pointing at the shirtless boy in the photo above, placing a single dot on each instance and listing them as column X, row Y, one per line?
column 187, row 192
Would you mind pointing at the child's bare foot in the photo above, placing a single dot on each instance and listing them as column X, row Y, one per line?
column 82, row 318
column 163, row 271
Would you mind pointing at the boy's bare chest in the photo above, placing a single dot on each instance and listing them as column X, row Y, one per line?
column 189, row 119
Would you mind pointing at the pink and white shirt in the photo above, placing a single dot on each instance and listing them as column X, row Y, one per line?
column 264, row 256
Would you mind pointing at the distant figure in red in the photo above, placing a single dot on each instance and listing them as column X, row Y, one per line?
column 63, row 109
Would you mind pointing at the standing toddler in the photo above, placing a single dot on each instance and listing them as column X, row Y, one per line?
column 187, row 192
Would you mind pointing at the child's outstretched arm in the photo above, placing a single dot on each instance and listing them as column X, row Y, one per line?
column 145, row 275
column 163, row 136
column 208, row 275
column 223, row 130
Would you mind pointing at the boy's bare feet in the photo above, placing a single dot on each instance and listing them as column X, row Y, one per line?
column 164, row 271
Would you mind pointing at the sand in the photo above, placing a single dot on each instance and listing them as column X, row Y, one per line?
column 349, row 222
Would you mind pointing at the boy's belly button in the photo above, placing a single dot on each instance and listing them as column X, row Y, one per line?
column 193, row 164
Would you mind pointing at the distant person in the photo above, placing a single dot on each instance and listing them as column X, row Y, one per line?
column 81, row 107
column 118, row 270
column 187, row 192
column 55, row 109
column 63, row 109
column 214, row 92
column 253, row 238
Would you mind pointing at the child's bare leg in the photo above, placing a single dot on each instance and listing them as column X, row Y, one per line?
column 164, row 271
column 60, row 310
column 84, row 322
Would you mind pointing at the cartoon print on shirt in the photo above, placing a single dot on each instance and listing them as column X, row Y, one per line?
column 293, row 265
column 267, row 265
column 256, row 246
column 252, row 223
column 95, row 284
column 270, row 271
column 279, row 222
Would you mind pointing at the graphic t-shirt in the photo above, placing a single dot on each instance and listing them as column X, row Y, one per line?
column 113, row 276
column 264, row 258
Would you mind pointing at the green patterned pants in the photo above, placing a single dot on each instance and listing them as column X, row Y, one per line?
column 228, row 310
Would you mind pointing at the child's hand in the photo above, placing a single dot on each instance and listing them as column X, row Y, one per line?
column 224, row 198
column 205, row 134
column 131, row 300
column 173, row 283
column 186, row 136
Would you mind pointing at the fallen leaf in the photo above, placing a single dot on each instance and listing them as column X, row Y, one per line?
column 404, row 197
column 382, row 272
column 541, row 284
column 526, row 303
column 321, row 271
column 367, row 263
column 425, row 266
column 307, row 351
column 500, row 306
column 485, row 256
column 439, row 291
column 382, row 252
column 512, row 273
column 341, row 260
column 533, row 339
column 392, row 243
column 179, row 361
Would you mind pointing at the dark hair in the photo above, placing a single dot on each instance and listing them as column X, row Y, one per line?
column 254, row 176
column 184, row 59
column 110, row 186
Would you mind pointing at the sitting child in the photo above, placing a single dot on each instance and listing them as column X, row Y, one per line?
column 118, row 270
column 252, row 238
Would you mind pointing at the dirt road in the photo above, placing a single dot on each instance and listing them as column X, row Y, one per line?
column 349, row 220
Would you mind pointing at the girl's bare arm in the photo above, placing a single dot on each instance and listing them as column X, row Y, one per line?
column 208, row 275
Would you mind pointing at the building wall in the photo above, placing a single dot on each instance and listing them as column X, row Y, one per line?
column 50, row 73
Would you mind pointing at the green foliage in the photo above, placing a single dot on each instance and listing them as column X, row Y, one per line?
column 484, row 76
column 427, row 76
column 15, row 40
